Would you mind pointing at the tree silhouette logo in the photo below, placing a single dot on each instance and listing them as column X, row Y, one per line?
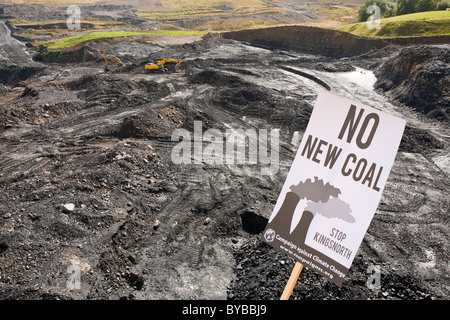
column 323, row 199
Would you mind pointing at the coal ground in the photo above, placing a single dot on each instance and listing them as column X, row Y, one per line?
column 88, row 182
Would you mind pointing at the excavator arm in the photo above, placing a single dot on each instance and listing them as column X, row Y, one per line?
column 119, row 62
column 160, row 65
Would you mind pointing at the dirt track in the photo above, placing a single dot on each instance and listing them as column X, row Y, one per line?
column 143, row 227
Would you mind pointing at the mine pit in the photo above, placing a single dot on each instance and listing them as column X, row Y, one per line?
column 87, row 178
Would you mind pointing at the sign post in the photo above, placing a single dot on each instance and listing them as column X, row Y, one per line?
column 334, row 186
column 298, row 267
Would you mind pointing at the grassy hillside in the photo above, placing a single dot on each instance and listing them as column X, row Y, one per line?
column 431, row 23
column 190, row 4
column 36, row 29
column 171, row 4
column 333, row 16
column 74, row 40
column 54, row 2
column 213, row 15
column 228, row 15
column 200, row 15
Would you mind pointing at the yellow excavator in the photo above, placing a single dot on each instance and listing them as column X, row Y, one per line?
column 164, row 65
column 119, row 62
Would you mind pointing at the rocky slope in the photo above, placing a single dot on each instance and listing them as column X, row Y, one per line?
column 419, row 77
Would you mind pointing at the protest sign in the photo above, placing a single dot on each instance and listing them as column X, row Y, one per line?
column 334, row 185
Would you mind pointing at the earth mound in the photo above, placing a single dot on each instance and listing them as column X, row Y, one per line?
column 151, row 124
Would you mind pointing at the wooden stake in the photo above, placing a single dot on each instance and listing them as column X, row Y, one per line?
column 292, row 281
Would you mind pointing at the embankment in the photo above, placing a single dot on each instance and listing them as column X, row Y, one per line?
column 331, row 43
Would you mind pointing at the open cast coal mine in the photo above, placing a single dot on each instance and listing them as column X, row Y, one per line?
column 96, row 203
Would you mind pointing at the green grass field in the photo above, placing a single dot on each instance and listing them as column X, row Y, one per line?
column 74, row 40
column 430, row 23
column 421, row 16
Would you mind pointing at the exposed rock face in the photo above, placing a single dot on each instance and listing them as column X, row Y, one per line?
column 419, row 77
column 11, row 73
column 80, row 53
column 330, row 43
